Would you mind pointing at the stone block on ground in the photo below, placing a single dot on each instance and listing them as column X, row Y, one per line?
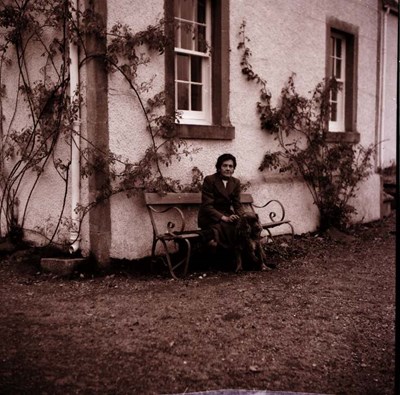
column 61, row 266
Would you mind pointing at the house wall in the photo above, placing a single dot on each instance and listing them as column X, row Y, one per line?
column 286, row 36
column 40, row 201
column 389, row 128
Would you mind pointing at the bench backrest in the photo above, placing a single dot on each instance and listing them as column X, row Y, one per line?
column 186, row 198
column 174, row 203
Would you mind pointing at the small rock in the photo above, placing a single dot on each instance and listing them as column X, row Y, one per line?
column 6, row 247
column 338, row 236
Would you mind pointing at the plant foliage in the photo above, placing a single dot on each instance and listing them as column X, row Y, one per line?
column 49, row 25
column 332, row 171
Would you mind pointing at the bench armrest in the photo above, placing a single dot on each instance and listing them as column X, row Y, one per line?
column 276, row 210
column 171, row 226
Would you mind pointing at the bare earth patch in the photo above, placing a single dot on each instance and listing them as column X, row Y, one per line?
column 322, row 322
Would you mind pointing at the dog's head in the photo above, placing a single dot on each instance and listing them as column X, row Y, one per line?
column 248, row 226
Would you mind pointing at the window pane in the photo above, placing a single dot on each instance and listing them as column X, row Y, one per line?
column 182, row 65
column 187, row 9
column 183, row 96
column 201, row 43
column 340, row 100
column 196, row 97
column 201, row 11
column 196, row 69
column 338, row 73
column 338, row 48
column 333, row 62
column 178, row 35
column 177, row 7
column 334, row 112
column 186, row 36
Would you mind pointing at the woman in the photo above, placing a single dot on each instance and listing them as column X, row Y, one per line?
column 220, row 202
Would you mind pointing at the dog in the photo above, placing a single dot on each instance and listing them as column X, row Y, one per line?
column 249, row 251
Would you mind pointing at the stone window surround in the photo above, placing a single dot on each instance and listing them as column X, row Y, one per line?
column 221, row 128
column 351, row 32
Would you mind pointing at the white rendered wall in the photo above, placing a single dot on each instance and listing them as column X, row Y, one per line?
column 46, row 201
column 286, row 36
column 389, row 132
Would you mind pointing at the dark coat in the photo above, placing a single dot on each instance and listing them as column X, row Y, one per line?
column 216, row 200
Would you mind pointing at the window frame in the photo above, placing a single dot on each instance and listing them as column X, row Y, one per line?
column 220, row 127
column 339, row 101
column 346, row 129
column 193, row 117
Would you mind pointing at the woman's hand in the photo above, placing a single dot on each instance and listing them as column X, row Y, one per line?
column 231, row 218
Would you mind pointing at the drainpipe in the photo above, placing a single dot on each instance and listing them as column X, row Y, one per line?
column 382, row 89
column 75, row 138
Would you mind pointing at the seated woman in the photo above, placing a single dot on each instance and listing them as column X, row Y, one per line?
column 220, row 203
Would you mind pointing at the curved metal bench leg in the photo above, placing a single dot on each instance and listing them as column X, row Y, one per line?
column 153, row 254
column 292, row 229
column 291, row 232
column 153, row 247
column 168, row 258
column 172, row 266
column 188, row 254
column 270, row 235
column 185, row 249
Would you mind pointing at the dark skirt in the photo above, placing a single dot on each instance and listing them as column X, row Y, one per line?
column 224, row 234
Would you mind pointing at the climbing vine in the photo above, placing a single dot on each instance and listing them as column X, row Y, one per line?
column 332, row 171
column 43, row 93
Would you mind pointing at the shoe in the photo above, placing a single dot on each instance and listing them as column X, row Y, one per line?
column 212, row 246
column 263, row 268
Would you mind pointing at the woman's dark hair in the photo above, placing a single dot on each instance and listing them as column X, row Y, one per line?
column 223, row 158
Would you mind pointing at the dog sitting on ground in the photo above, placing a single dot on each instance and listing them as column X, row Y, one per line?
column 249, row 252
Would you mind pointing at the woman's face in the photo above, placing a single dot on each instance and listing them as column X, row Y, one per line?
column 227, row 168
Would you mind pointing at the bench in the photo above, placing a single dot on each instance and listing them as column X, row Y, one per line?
column 177, row 241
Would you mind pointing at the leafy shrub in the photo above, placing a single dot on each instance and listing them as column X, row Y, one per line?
column 332, row 171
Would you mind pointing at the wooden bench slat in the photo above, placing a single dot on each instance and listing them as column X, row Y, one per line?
column 184, row 198
column 246, row 198
column 273, row 224
column 172, row 198
column 179, row 235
